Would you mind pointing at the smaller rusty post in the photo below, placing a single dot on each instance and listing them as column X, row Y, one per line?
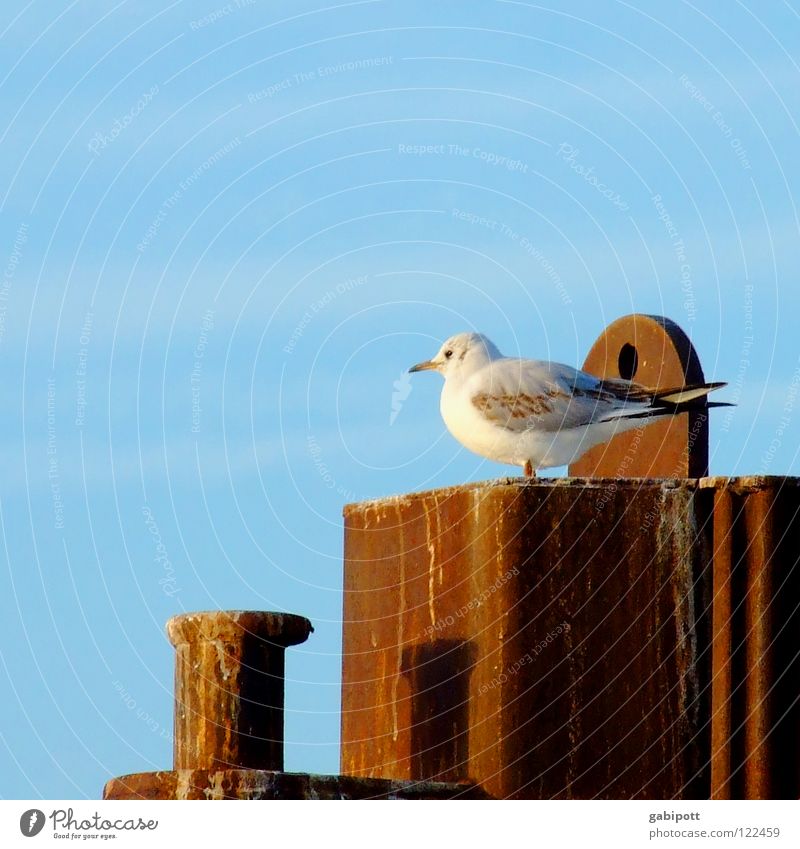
column 229, row 687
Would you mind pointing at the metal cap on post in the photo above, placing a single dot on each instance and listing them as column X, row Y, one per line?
column 655, row 352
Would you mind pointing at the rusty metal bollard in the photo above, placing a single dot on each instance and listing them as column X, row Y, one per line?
column 229, row 679
column 229, row 694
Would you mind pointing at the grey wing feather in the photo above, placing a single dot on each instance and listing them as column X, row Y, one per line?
column 523, row 394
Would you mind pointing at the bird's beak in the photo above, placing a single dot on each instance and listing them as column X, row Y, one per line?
column 428, row 365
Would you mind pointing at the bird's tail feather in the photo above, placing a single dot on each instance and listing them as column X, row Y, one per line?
column 685, row 394
column 667, row 402
column 667, row 411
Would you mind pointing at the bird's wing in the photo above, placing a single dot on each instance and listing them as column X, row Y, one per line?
column 522, row 394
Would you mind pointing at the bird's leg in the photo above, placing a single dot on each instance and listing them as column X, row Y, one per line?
column 530, row 472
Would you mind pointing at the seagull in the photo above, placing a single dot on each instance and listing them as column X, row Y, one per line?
column 538, row 414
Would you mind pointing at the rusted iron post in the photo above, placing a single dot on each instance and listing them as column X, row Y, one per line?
column 655, row 352
column 755, row 710
column 552, row 628
column 229, row 680
column 229, row 691
column 578, row 638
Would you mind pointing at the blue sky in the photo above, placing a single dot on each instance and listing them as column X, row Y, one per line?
column 227, row 229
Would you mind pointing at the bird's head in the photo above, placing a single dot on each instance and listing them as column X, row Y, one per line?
column 463, row 352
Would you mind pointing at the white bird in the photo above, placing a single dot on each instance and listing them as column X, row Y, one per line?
column 539, row 414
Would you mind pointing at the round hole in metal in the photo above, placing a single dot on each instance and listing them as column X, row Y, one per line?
column 628, row 361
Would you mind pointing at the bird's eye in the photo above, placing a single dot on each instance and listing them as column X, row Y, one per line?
column 448, row 354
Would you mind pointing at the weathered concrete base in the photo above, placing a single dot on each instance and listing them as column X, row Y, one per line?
column 250, row 784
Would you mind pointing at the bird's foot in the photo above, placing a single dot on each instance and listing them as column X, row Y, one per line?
column 530, row 472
